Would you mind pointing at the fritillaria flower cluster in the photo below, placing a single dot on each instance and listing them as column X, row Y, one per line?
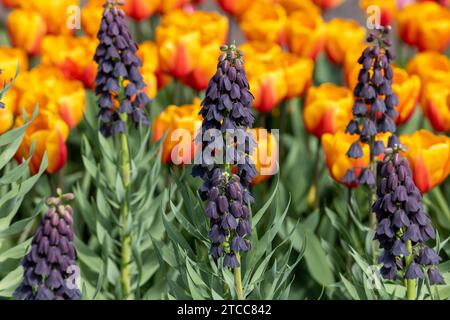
column 50, row 268
column 374, row 107
column 119, row 84
column 403, row 227
column 226, row 108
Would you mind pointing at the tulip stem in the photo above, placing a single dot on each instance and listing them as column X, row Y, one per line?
column 237, row 279
column 124, row 213
column 410, row 283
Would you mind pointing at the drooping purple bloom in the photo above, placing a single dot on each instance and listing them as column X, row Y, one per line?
column 50, row 268
column 374, row 106
column 117, row 63
column 226, row 109
column 402, row 224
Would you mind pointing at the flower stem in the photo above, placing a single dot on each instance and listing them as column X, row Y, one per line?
column 124, row 214
column 372, row 197
column 238, row 280
column 313, row 194
column 410, row 283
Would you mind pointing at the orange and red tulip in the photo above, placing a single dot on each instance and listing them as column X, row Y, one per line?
column 298, row 73
column 341, row 36
column 388, row 9
column 425, row 25
column 429, row 158
column 49, row 132
column 26, row 29
column 10, row 59
column 430, row 67
column 407, row 89
column 327, row 109
column 181, row 39
column 177, row 117
column 305, row 33
column 266, row 74
column 48, row 88
column 234, row 7
column 7, row 113
column 328, row 4
column 264, row 22
column 335, row 147
column 73, row 56
column 436, row 106
column 91, row 16
column 140, row 9
column 265, row 155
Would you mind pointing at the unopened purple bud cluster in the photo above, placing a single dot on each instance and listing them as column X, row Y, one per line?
column 117, row 62
column 401, row 218
column 227, row 107
column 374, row 107
column 228, row 213
column 49, row 267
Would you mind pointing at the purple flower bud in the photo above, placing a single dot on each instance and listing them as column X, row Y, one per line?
column 413, row 233
column 231, row 261
column 352, row 127
column 414, row 271
column 428, row 257
column 211, row 210
column 400, row 219
column 355, row 151
column 435, row 276
column 369, row 128
column 367, row 177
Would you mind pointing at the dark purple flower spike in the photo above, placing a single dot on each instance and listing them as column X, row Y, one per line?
column 117, row 63
column 403, row 227
column 374, row 107
column 50, row 267
column 227, row 107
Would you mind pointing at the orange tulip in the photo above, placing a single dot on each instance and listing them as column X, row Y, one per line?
column 26, row 29
column 341, row 36
column 327, row 109
column 148, row 53
column 437, row 106
column 305, row 33
column 49, row 132
column 91, row 16
column 10, row 58
column 11, row 3
column 264, row 22
column 425, row 25
column 335, row 147
column 48, row 88
column 167, row 6
column 73, row 56
column 388, row 9
column 328, row 4
column 292, row 6
column 429, row 158
column 298, row 74
column 265, row 155
column 182, row 39
column 140, row 9
column 54, row 13
column 177, row 149
column 430, row 67
column 7, row 113
column 266, row 75
column 407, row 89
column 351, row 65
column 234, row 7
